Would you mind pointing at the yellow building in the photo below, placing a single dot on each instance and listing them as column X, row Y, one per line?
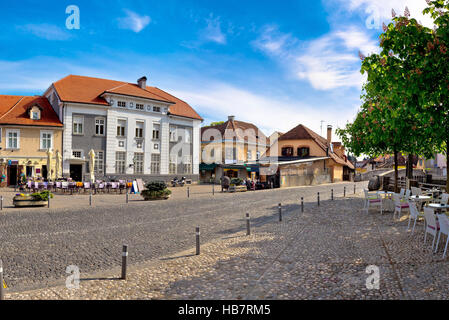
column 231, row 149
column 30, row 132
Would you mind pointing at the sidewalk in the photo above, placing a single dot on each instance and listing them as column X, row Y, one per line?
column 321, row 254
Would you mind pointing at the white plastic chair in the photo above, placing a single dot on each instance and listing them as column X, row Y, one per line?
column 399, row 205
column 416, row 191
column 407, row 195
column 402, row 193
column 372, row 199
column 444, row 228
column 431, row 225
column 444, row 198
column 414, row 213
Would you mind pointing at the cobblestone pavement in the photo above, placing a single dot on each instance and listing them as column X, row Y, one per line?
column 320, row 254
column 37, row 246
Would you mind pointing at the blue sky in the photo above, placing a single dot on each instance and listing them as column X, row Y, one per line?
column 273, row 63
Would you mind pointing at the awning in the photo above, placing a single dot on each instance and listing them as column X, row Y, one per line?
column 208, row 166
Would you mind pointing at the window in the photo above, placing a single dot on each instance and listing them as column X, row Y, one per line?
column 187, row 161
column 120, row 162
column 188, row 136
column 121, row 104
column 156, row 109
column 139, row 106
column 35, row 115
column 46, row 140
column 230, row 154
column 78, row 154
column 155, row 163
column 172, row 164
column 173, row 137
column 139, row 129
column 156, row 130
column 303, row 152
column 121, row 144
column 156, row 146
column 121, row 127
column 258, row 155
column 138, row 163
column 13, row 137
column 99, row 126
column 249, row 155
column 78, row 125
column 287, row 152
column 99, row 162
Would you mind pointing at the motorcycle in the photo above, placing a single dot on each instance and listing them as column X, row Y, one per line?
column 176, row 182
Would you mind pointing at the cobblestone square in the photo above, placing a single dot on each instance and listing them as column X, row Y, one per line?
column 322, row 253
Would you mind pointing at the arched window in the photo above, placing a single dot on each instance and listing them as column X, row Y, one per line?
column 303, row 152
column 287, row 152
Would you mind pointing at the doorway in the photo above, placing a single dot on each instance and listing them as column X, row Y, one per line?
column 44, row 172
column 76, row 172
column 12, row 175
column 29, row 171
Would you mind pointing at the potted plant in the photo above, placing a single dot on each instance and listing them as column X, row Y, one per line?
column 156, row 190
column 32, row 200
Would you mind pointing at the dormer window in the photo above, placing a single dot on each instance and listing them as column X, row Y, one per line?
column 156, row 109
column 35, row 113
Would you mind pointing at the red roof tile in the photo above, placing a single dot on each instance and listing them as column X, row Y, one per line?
column 14, row 111
column 89, row 90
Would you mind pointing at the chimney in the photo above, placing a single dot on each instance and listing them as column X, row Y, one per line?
column 231, row 118
column 142, row 82
column 329, row 134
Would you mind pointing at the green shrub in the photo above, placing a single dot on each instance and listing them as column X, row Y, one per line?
column 156, row 189
column 42, row 196
column 236, row 181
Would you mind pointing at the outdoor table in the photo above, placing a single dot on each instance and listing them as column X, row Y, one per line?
column 421, row 200
column 438, row 207
column 387, row 199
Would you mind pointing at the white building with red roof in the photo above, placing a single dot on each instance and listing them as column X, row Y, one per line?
column 135, row 130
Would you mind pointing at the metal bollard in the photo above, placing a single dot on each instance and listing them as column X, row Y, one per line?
column 213, row 189
column 2, row 293
column 344, row 193
column 332, row 194
column 197, row 241
column 127, row 197
column 49, row 201
column 124, row 261
column 90, row 199
column 280, row 212
column 302, row 205
column 355, row 188
column 318, row 199
column 188, row 192
column 1, row 203
column 248, row 226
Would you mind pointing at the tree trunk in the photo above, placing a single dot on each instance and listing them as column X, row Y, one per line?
column 396, row 173
column 410, row 166
column 447, row 166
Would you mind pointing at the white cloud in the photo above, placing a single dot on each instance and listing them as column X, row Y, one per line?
column 327, row 63
column 45, row 31
column 213, row 31
column 269, row 113
column 382, row 9
column 134, row 22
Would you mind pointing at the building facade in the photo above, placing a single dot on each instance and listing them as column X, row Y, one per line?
column 302, row 157
column 231, row 149
column 136, row 131
column 29, row 128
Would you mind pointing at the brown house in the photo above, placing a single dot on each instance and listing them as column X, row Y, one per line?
column 302, row 157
